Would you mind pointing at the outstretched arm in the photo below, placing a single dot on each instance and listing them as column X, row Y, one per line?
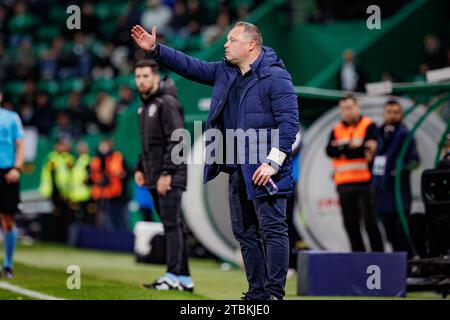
column 186, row 66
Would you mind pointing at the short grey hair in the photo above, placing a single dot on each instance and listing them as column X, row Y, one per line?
column 252, row 31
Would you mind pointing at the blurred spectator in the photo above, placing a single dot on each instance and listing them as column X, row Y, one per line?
column 27, row 103
column 179, row 19
column 29, row 92
column 122, row 37
column 195, row 13
column 422, row 76
column 214, row 32
column 108, row 175
column 26, row 112
column 388, row 76
column 90, row 22
column 352, row 77
column 3, row 29
column 55, row 184
column 445, row 160
column 126, row 97
column 81, row 51
column 434, row 53
column 79, row 178
column 5, row 103
column 104, row 67
column 80, row 114
column 243, row 12
column 133, row 13
column 67, row 60
column 157, row 14
column 65, row 127
column 48, row 61
column 25, row 61
column 391, row 136
column 105, row 112
column 4, row 64
column 43, row 116
column 21, row 24
column 119, row 59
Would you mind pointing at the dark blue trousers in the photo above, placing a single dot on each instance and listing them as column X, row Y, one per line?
column 260, row 228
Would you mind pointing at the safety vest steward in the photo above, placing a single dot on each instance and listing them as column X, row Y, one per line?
column 60, row 164
column 112, row 174
column 80, row 191
column 351, row 170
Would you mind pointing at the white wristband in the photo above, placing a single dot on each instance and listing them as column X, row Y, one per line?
column 276, row 156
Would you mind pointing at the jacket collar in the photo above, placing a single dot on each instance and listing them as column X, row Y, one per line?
column 260, row 67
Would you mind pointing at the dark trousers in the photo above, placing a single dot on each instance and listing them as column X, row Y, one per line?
column 294, row 237
column 168, row 208
column 394, row 231
column 261, row 230
column 118, row 215
column 357, row 202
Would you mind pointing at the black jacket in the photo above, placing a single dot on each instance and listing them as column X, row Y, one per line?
column 159, row 115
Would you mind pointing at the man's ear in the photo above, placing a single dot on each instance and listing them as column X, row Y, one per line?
column 252, row 45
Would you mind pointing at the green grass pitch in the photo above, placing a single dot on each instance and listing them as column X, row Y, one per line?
column 42, row 267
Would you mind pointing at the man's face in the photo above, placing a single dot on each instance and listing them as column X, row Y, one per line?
column 144, row 78
column 348, row 56
column 447, row 148
column 238, row 46
column 105, row 147
column 63, row 146
column 350, row 111
column 392, row 114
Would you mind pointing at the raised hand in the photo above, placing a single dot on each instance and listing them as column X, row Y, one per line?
column 143, row 39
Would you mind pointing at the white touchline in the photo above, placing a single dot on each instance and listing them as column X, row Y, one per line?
column 26, row 292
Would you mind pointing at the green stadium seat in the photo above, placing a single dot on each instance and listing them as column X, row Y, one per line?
column 58, row 15
column 73, row 84
column 237, row 3
column 15, row 88
column 47, row 32
column 89, row 99
column 126, row 79
column 49, row 86
column 103, row 10
column 60, row 102
column 22, row 23
column 103, row 84
column 40, row 47
column 119, row 9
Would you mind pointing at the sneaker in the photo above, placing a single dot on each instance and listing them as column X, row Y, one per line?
column 166, row 282
column 8, row 273
column 186, row 283
column 291, row 273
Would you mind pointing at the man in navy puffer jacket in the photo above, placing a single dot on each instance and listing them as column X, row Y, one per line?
column 252, row 92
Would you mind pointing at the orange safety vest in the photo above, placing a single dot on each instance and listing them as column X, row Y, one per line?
column 351, row 170
column 113, row 170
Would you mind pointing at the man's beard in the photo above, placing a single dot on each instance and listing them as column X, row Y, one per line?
column 146, row 94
